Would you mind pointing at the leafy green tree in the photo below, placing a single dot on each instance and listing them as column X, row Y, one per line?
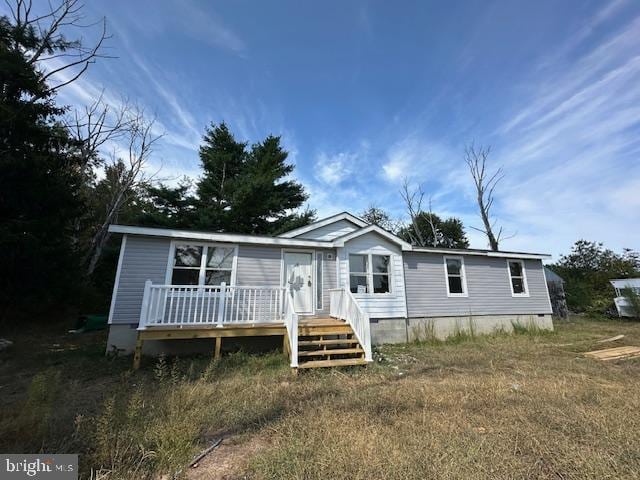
column 246, row 190
column 449, row 233
column 377, row 216
column 587, row 270
column 40, row 176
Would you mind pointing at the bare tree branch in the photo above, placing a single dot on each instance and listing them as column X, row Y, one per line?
column 476, row 160
column 137, row 131
column 71, row 58
column 413, row 199
column 98, row 124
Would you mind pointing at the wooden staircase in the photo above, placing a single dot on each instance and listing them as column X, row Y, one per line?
column 328, row 342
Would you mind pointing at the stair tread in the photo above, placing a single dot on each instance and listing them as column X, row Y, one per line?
column 332, row 341
column 333, row 363
column 325, row 330
column 335, row 351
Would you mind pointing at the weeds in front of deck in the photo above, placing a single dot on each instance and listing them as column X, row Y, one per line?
column 500, row 406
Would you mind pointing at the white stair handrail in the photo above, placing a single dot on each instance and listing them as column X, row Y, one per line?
column 291, row 322
column 343, row 305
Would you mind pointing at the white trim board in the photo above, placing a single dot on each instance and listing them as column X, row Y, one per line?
column 116, row 283
column 323, row 222
column 218, row 237
column 340, row 241
column 461, row 251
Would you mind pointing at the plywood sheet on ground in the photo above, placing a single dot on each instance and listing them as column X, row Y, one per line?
column 616, row 353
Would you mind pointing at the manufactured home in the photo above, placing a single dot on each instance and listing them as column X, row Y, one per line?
column 331, row 290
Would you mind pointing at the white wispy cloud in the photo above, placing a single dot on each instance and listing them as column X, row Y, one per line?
column 334, row 169
column 572, row 155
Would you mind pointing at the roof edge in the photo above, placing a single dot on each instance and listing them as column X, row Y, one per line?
column 340, row 241
column 217, row 237
column 483, row 253
column 323, row 222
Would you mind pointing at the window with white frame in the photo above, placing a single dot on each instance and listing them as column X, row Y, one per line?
column 518, row 278
column 369, row 273
column 456, row 280
column 195, row 264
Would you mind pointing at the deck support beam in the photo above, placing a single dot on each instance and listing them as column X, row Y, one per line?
column 216, row 355
column 137, row 355
column 285, row 345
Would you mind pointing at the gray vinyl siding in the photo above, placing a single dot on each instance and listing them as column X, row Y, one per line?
column 261, row 266
column 145, row 258
column 258, row 266
column 489, row 290
column 331, row 231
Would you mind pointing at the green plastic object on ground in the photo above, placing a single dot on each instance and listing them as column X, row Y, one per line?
column 94, row 322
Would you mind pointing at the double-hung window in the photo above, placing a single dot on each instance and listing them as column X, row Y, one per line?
column 195, row 264
column 518, row 278
column 369, row 273
column 456, row 279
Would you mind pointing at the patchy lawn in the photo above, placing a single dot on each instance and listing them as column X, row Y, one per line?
column 521, row 406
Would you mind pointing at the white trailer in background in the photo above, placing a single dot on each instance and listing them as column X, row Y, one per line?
column 622, row 303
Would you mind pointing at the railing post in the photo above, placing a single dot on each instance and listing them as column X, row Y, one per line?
column 144, row 309
column 367, row 338
column 221, row 304
column 293, row 338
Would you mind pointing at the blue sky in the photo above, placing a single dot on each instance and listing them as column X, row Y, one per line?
column 366, row 93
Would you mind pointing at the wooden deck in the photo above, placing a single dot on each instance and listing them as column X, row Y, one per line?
column 325, row 341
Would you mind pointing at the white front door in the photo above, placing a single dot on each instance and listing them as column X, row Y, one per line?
column 298, row 278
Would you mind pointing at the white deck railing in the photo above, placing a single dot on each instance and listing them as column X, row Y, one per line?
column 291, row 322
column 220, row 305
column 344, row 306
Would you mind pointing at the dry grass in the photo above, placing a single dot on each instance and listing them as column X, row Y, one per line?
column 520, row 406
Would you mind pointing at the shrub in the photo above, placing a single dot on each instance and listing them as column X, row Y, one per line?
column 634, row 300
